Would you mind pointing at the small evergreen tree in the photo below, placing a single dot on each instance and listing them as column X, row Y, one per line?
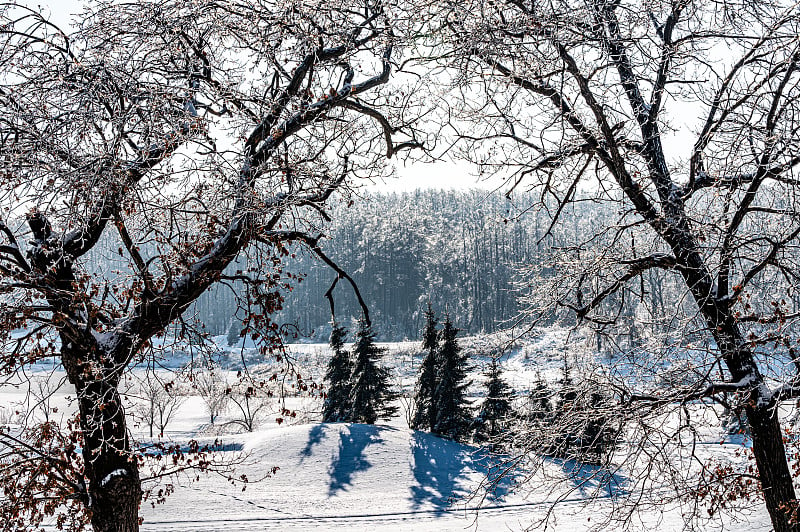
column 424, row 405
column 535, row 417
column 234, row 332
column 735, row 422
column 580, row 427
column 539, row 406
column 453, row 416
column 497, row 405
column 566, row 425
column 567, row 393
column 337, row 405
column 598, row 436
column 371, row 393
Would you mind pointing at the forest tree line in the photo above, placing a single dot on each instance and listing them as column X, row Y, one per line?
column 462, row 251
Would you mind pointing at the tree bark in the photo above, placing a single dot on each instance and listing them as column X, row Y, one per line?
column 769, row 451
column 762, row 413
column 765, row 430
column 773, row 470
column 111, row 469
column 115, row 487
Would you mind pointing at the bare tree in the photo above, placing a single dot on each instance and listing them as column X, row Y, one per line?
column 674, row 126
column 156, row 401
column 211, row 385
column 41, row 389
column 249, row 400
column 140, row 155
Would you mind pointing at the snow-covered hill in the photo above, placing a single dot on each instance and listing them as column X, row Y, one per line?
column 371, row 478
column 378, row 477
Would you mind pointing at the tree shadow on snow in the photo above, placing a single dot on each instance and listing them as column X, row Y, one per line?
column 593, row 480
column 350, row 458
column 436, row 468
column 499, row 477
column 314, row 437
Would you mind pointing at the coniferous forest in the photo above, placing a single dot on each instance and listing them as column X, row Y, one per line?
column 457, row 250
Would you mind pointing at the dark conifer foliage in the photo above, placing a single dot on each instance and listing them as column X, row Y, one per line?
column 371, row 394
column 453, row 415
column 600, row 434
column 424, row 405
column 539, row 406
column 234, row 332
column 496, row 406
column 734, row 422
column 581, row 426
column 337, row 404
column 565, row 428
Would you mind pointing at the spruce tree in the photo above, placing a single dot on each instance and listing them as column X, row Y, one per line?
column 581, row 428
column 453, row 416
column 539, row 406
column 234, row 332
column 497, row 405
column 371, row 393
column 338, row 375
column 424, row 406
column 566, row 429
column 735, row 422
column 599, row 435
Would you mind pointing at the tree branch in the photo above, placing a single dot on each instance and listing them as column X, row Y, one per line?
column 635, row 267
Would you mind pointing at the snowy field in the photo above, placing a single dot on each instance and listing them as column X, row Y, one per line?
column 383, row 477
column 375, row 478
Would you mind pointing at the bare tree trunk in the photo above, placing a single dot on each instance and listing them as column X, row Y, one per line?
column 762, row 414
column 114, row 484
column 768, row 447
column 773, row 470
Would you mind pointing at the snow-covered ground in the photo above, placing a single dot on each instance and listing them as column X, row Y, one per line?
column 383, row 477
column 331, row 475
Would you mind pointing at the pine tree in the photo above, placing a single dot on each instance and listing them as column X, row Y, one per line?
column 234, row 332
column 453, row 416
column 566, row 427
column 337, row 405
column 599, row 436
column 735, row 422
column 371, row 393
column 580, row 427
column 497, row 405
column 424, row 406
column 535, row 417
column 539, row 406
